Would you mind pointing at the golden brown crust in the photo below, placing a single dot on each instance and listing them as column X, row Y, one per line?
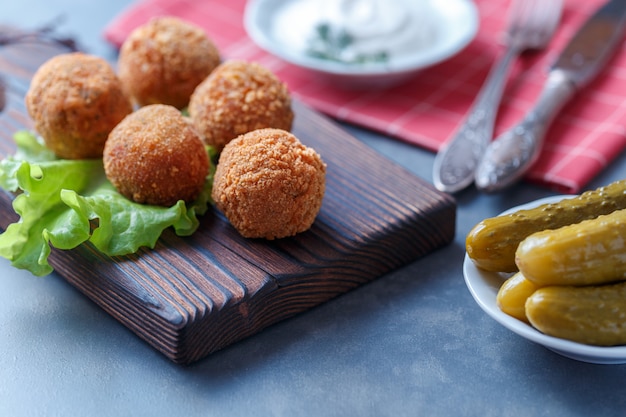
column 164, row 60
column 268, row 184
column 155, row 157
column 236, row 98
column 75, row 100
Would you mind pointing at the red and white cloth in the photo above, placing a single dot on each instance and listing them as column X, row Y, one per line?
column 586, row 136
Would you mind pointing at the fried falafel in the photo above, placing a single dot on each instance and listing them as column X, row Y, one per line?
column 236, row 98
column 75, row 100
column 268, row 184
column 162, row 61
column 155, row 156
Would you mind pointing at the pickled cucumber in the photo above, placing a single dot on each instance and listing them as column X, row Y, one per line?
column 512, row 296
column 492, row 243
column 587, row 253
column 594, row 315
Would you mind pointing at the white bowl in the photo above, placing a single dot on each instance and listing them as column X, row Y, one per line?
column 484, row 286
column 284, row 28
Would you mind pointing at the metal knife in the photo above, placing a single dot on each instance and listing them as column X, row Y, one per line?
column 510, row 155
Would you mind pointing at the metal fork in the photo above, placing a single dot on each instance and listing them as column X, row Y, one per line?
column 530, row 25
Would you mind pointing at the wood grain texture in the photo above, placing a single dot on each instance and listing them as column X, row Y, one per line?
column 189, row 297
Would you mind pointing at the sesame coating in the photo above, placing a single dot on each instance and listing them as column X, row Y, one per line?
column 236, row 98
column 75, row 100
column 154, row 156
column 164, row 60
column 269, row 185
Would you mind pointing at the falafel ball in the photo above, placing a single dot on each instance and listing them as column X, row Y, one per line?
column 75, row 100
column 162, row 61
column 268, row 184
column 154, row 156
column 236, row 98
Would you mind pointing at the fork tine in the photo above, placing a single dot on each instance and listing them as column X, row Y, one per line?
column 530, row 22
column 517, row 17
column 547, row 16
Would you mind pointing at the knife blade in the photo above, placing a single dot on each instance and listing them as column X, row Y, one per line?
column 509, row 156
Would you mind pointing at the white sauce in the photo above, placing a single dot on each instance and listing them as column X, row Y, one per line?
column 393, row 27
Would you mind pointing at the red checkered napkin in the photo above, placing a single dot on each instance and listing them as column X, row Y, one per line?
column 586, row 136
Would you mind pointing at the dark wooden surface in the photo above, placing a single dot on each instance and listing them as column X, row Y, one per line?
column 192, row 296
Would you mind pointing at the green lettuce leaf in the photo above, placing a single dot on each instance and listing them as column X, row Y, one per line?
column 65, row 203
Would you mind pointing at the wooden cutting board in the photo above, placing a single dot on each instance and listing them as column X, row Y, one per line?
column 191, row 296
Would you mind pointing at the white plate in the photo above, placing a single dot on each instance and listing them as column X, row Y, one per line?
column 454, row 22
column 484, row 287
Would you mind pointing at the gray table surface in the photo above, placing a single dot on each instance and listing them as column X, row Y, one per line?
column 412, row 343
